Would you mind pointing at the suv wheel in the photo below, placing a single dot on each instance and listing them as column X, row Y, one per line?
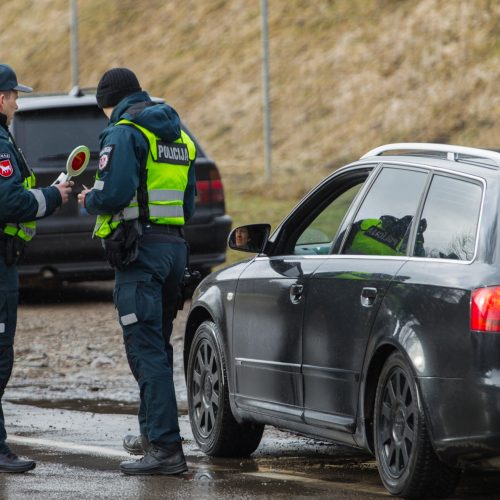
column 214, row 428
column 406, row 460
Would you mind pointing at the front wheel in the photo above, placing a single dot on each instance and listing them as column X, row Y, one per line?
column 214, row 427
column 406, row 460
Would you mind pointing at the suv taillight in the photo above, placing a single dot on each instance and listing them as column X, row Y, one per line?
column 485, row 309
column 210, row 191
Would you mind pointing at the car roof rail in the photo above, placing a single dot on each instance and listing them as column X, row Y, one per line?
column 472, row 155
column 76, row 91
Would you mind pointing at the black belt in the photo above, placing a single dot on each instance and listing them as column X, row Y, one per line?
column 150, row 228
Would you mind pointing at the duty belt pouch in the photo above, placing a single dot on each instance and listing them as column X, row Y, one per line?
column 189, row 282
column 14, row 249
column 122, row 247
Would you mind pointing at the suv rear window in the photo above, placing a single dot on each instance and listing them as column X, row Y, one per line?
column 53, row 133
column 450, row 218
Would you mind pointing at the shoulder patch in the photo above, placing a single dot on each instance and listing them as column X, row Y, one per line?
column 6, row 169
column 105, row 156
column 4, row 156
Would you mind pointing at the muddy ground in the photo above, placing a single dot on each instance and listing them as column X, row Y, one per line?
column 69, row 346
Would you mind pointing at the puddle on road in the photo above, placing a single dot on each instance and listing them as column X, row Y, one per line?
column 279, row 475
column 92, row 406
column 108, row 406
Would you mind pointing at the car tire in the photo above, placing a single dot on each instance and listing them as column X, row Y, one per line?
column 214, row 427
column 406, row 460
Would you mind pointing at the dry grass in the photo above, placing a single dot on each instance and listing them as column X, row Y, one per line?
column 346, row 75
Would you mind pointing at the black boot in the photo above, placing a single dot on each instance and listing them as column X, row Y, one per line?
column 10, row 462
column 169, row 460
column 136, row 445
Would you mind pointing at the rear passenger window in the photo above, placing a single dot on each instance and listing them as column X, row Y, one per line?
column 383, row 222
column 448, row 226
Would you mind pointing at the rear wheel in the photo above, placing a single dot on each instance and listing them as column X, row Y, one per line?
column 407, row 463
column 214, row 427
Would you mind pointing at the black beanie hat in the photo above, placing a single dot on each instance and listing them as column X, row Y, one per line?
column 114, row 85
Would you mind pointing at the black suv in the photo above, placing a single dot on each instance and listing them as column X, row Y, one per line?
column 47, row 128
column 371, row 317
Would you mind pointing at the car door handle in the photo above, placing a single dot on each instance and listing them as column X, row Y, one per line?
column 296, row 292
column 368, row 296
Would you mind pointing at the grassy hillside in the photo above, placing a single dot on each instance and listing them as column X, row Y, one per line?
column 346, row 75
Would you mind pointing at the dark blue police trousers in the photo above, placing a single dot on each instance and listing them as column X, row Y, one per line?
column 9, row 295
column 146, row 295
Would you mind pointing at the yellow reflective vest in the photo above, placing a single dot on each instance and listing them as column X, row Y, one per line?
column 23, row 230
column 167, row 169
column 372, row 239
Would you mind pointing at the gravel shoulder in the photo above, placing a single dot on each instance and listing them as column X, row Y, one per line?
column 69, row 346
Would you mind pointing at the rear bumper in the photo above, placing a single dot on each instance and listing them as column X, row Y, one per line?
column 69, row 256
column 464, row 417
column 72, row 271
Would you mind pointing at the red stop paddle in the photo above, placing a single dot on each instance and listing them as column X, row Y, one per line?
column 77, row 161
column 75, row 164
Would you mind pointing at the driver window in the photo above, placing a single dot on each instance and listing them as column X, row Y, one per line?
column 317, row 237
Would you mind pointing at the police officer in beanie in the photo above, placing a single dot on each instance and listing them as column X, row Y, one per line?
column 143, row 194
column 20, row 205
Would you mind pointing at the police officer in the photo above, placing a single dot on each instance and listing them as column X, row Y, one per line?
column 20, row 204
column 143, row 194
column 387, row 235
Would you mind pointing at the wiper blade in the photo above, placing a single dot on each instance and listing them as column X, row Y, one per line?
column 57, row 156
column 64, row 156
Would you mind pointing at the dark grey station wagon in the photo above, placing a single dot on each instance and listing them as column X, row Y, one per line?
column 370, row 317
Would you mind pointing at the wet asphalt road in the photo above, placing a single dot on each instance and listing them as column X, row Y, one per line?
column 78, row 453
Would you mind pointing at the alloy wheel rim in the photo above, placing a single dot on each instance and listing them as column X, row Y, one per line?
column 396, row 427
column 205, row 389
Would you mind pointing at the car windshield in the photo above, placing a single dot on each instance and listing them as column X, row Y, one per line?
column 48, row 135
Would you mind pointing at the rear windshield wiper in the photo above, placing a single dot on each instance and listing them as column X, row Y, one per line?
column 63, row 156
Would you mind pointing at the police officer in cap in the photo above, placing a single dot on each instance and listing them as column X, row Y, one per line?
column 143, row 194
column 20, row 205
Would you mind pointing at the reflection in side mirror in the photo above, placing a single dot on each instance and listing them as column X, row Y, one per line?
column 250, row 238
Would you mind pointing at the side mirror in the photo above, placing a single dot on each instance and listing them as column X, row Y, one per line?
column 250, row 238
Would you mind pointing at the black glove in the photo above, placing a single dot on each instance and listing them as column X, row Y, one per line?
column 190, row 281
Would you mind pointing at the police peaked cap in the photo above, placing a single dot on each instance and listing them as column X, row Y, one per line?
column 8, row 80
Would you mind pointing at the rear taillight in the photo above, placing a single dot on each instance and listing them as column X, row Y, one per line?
column 485, row 309
column 203, row 191
column 217, row 191
column 210, row 191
